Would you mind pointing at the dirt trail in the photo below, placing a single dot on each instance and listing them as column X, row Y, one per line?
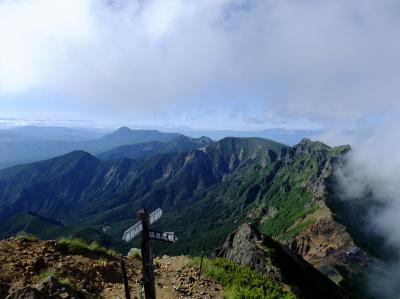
column 172, row 273
column 174, row 279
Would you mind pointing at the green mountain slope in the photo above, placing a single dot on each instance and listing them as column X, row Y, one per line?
column 48, row 229
column 205, row 194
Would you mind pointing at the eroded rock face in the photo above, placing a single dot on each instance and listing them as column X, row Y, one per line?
column 322, row 241
column 247, row 247
column 243, row 247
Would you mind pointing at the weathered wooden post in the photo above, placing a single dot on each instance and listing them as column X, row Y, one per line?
column 202, row 256
column 125, row 279
column 147, row 257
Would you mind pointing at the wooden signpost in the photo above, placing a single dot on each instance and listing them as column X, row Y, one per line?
column 143, row 226
column 135, row 230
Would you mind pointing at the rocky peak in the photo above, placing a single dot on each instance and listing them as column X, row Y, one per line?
column 122, row 130
column 241, row 247
column 247, row 247
column 306, row 146
column 305, row 141
column 204, row 139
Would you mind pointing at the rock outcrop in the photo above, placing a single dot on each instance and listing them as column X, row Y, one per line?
column 244, row 247
column 247, row 247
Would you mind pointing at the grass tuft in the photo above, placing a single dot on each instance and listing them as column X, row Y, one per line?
column 135, row 253
column 43, row 274
column 79, row 246
column 242, row 282
column 65, row 281
column 24, row 236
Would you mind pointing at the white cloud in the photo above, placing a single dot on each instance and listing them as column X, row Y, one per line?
column 34, row 37
column 319, row 60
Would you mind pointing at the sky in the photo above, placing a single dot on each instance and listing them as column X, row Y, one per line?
column 211, row 64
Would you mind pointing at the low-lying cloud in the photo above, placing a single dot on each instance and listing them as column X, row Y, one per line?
column 372, row 172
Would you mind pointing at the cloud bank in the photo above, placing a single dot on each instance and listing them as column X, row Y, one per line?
column 372, row 172
column 271, row 60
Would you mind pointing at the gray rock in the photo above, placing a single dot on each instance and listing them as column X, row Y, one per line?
column 49, row 285
column 26, row 293
column 242, row 247
column 52, row 288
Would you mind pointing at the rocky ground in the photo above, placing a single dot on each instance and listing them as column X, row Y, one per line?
column 41, row 269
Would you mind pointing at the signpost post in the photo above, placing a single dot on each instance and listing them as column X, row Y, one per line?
column 143, row 226
column 147, row 258
column 202, row 256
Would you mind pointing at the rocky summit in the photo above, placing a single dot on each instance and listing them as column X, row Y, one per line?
column 36, row 269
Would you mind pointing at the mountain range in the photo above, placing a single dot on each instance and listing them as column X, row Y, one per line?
column 206, row 189
column 30, row 144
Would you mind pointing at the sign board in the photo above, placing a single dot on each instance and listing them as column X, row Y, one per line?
column 132, row 232
column 163, row 236
column 135, row 230
column 155, row 215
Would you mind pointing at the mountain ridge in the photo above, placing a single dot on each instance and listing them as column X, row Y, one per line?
column 205, row 193
column 14, row 152
column 145, row 150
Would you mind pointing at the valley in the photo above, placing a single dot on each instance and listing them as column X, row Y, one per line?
column 206, row 189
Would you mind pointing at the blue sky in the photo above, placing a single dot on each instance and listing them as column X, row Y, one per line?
column 212, row 64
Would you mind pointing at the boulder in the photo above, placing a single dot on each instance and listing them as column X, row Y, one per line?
column 27, row 292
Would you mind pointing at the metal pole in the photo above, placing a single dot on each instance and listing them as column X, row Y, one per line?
column 147, row 258
column 125, row 279
column 202, row 256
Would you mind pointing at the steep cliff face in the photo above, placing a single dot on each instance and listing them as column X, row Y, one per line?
column 247, row 247
column 301, row 218
column 324, row 239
